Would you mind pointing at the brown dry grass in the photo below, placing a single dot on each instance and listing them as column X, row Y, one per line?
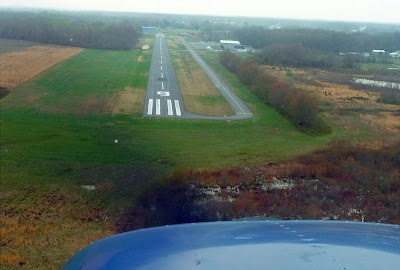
column 45, row 229
column 174, row 43
column 128, row 101
column 18, row 67
column 199, row 93
column 354, row 112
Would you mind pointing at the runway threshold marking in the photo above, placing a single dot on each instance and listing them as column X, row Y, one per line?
column 177, row 108
column 150, row 107
column 158, row 106
column 169, row 104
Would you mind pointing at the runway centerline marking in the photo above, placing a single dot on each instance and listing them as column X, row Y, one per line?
column 169, row 104
column 150, row 107
column 162, row 85
column 158, row 106
column 177, row 108
column 162, row 75
column 161, row 68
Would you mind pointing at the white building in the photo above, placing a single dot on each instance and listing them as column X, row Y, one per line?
column 378, row 52
column 231, row 45
column 395, row 54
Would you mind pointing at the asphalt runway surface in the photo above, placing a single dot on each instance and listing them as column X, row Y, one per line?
column 163, row 96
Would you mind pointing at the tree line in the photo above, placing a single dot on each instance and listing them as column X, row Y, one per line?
column 322, row 40
column 316, row 47
column 87, row 30
column 296, row 104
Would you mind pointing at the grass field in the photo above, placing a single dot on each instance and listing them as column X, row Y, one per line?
column 59, row 132
column 358, row 113
column 199, row 93
column 372, row 67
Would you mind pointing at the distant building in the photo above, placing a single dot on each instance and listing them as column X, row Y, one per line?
column 378, row 52
column 149, row 28
column 231, row 45
column 395, row 54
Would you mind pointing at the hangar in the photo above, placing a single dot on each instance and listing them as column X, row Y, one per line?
column 231, row 45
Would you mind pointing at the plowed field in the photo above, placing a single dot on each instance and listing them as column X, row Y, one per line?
column 18, row 67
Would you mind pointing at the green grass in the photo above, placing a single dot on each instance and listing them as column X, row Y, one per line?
column 85, row 82
column 33, row 136
column 48, row 143
column 373, row 67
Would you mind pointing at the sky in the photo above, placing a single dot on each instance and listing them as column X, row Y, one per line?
column 384, row 11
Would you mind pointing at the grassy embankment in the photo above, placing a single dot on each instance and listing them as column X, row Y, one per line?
column 58, row 133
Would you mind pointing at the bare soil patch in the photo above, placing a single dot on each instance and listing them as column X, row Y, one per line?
column 128, row 101
column 18, row 67
column 140, row 59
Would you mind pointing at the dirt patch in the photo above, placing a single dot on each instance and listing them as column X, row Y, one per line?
column 18, row 67
column 128, row 101
column 140, row 59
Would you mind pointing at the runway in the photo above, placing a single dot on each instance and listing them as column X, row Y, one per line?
column 163, row 96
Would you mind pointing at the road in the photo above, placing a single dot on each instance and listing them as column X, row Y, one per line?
column 163, row 96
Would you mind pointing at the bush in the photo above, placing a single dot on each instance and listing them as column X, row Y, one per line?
column 299, row 106
column 390, row 97
column 247, row 72
column 230, row 61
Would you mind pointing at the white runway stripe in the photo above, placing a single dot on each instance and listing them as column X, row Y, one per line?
column 169, row 104
column 162, row 85
column 177, row 108
column 158, row 107
column 161, row 68
column 150, row 107
column 162, row 75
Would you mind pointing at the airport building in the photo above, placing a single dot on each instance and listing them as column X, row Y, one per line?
column 231, row 45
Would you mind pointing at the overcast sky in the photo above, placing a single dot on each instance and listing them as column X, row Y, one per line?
column 348, row 10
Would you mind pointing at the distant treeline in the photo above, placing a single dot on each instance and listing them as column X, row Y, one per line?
column 71, row 29
column 316, row 48
column 317, row 39
column 296, row 104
